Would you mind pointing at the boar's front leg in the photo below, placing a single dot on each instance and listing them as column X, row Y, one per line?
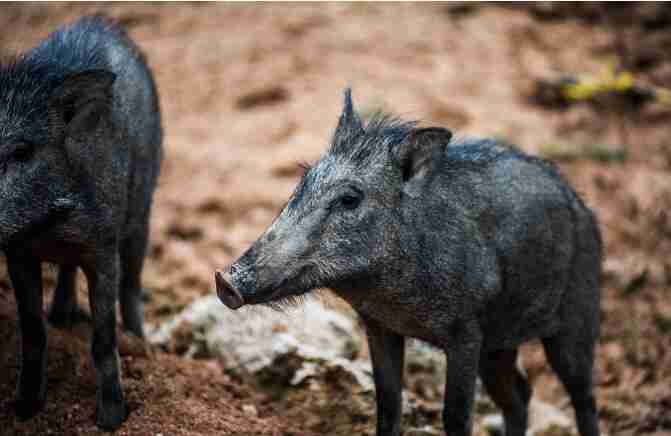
column 463, row 356
column 26, row 276
column 386, row 350
column 103, row 278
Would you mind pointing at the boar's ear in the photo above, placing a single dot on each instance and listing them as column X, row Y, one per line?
column 422, row 148
column 78, row 103
column 349, row 120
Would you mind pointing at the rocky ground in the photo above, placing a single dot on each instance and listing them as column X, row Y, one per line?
column 249, row 90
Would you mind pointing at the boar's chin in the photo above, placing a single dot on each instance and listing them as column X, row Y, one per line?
column 38, row 222
column 286, row 298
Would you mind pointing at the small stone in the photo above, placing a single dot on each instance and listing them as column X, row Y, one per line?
column 427, row 430
column 250, row 410
column 494, row 424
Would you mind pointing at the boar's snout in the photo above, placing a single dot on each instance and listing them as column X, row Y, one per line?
column 226, row 292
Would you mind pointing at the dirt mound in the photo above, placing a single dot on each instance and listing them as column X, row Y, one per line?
column 166, row 394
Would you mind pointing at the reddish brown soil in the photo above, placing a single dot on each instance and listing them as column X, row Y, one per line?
column 249, row 90
column 166, row 394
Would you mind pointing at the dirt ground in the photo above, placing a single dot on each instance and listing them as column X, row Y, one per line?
column 248, row 91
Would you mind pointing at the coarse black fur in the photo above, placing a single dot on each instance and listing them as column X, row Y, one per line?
column 470, row 245
column 80, row 152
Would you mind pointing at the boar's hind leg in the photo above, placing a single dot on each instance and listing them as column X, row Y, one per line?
column 132, row 258
column 26, row 277
column 572, row 359
column 103, row 281
column 387, row 350
column 64, row 311
column 507, row 387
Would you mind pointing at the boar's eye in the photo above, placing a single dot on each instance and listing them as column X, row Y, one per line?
column 22, row 151
column 350, row 202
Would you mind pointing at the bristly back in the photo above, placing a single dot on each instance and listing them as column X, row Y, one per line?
column 360, row 142
column 27, row 80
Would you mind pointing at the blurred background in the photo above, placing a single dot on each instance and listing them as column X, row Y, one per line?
column 250, row 90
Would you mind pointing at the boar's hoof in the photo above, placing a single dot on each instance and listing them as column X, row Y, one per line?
column 26, row 408
column 228, row 295
column 111, row 416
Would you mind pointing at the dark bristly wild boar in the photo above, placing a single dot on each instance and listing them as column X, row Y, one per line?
column 80, row 151
column 469, row 245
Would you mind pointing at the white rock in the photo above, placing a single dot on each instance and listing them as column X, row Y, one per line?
column 250, row 339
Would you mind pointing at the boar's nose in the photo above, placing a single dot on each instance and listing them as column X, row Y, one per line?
column 227, row 293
